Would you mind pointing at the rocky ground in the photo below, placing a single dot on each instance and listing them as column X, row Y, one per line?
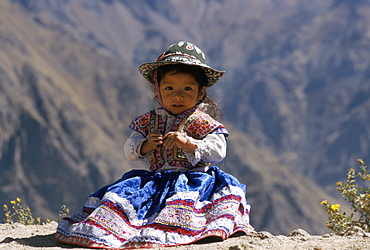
column 18, row 236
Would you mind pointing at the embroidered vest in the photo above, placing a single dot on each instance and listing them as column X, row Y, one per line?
column 193, row 122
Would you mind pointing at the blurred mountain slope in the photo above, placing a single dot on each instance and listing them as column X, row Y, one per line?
column 64, row 113
column 69, row 89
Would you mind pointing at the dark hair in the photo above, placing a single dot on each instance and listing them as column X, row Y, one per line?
column 200, row 77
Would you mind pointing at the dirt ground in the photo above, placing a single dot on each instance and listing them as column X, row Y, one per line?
column 18, row 236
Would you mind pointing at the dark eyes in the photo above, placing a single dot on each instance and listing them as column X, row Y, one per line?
column 186, row 88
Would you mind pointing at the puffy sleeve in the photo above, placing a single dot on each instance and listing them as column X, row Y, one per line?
column 210, row 149
column 133, row 145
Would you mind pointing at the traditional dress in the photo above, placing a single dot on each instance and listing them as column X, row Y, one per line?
column 180, row 200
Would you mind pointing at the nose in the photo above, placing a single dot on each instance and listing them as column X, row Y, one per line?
column 178, row 95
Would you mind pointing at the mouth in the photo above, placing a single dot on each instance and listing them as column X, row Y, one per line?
column 177, row 105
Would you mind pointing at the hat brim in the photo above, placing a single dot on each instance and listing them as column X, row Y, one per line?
column 148, row 69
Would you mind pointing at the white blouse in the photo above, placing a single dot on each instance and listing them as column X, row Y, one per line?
column 211, row 149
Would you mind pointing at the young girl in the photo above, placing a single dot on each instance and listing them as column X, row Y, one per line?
column 182, row 198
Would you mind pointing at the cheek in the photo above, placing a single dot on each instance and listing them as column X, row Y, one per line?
column 161, row 92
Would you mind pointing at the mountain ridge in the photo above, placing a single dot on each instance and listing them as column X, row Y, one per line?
column 70, row 87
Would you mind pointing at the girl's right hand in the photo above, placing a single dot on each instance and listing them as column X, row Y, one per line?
column 152, row 142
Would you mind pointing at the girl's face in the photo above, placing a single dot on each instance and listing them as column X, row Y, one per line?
column 179, row 92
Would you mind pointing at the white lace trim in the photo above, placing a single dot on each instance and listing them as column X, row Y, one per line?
column 162, row 112
column 133, row 147
column 126, row 206
column 202, row 151
column 203, row 107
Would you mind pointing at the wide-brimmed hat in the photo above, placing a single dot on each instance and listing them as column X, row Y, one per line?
column 184, row 53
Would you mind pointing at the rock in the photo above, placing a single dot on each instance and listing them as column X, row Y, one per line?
column 355, row 231
column 241, row 247
column 298, row 232
column 264, row 235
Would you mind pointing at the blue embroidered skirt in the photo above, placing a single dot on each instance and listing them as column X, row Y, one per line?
column 153, row 209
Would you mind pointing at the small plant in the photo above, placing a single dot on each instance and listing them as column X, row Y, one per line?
column 358, row 196
column 20, row 214
column 64, row 211
column 17, row 213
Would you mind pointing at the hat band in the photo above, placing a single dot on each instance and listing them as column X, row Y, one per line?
column 164, row 56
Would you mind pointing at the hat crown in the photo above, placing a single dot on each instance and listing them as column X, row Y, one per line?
column 183, row 49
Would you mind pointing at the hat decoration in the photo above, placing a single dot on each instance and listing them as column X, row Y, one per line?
column 184, row 53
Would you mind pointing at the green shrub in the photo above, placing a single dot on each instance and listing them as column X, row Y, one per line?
column 359, row 198
column 17, row 213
